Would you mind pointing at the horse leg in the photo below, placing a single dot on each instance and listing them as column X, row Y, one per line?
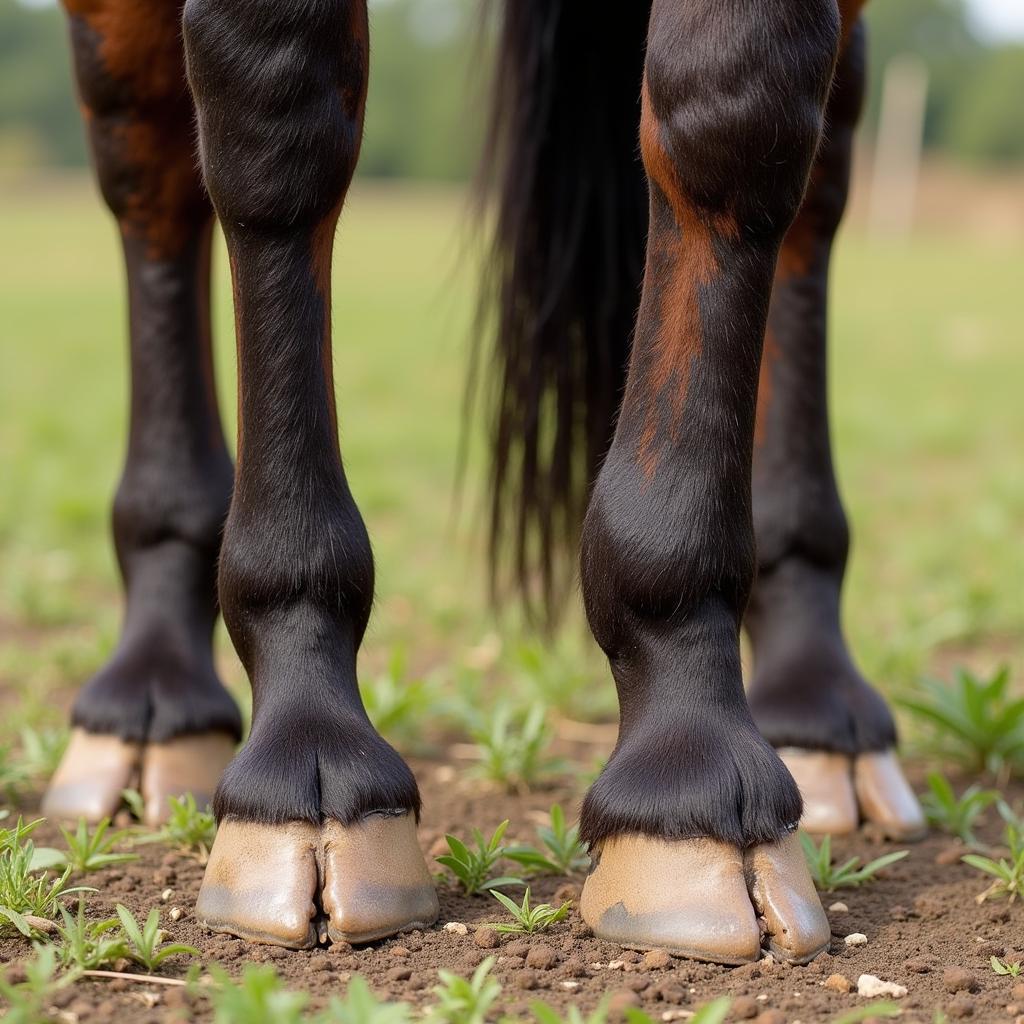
column 317, row 813
column 156, row 709
column 691, row 823
column 833, row 730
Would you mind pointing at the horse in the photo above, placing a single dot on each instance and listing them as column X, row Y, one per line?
column 670, row 176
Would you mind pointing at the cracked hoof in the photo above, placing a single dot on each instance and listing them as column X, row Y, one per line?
column 298, row 884
column 96, row 769
column 840, row 791
column 705, row 899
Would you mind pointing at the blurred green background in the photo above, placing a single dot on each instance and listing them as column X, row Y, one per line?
column 926, row 375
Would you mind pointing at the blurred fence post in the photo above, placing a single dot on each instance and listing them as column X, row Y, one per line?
column 898, row 147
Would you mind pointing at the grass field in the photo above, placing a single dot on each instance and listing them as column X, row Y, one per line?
column 926, row 377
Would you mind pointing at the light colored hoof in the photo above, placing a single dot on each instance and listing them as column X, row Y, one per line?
column 795, row 926
column 264, row 882
column 91, row 776
column 187, row 764
column 886, row 799
column 839, row 792
column 687, row 896
column 825, row 783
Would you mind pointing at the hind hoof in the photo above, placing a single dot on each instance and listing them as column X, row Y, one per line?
column 840, row 791
column 705, row 899
column 297, row 884
column 186, row 764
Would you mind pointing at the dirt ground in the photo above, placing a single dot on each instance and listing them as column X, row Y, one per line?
column 924, row 931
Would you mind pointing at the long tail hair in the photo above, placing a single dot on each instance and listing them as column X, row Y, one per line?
column 561, row 285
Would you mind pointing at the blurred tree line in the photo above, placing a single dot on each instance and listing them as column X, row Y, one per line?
column 428, row 85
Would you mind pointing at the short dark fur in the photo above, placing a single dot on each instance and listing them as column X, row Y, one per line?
column 668, row 552
column 279, row 87
column 174, row 492
column 806, row 690
column 563, row 282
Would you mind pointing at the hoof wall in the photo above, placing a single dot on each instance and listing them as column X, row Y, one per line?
column 186, row 764
column 839, row 792
column 704, row 899
column 296, row 885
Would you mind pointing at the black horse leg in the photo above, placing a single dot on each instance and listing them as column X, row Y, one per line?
column 156, row 709
column 833, row 730
column 733, row 102
column 317, row 813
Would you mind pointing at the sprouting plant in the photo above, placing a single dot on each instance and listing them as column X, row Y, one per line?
column 953, row 814
column 89, row 945
column 398, row 705
column 828, row 877
column 975, row 723
column 1010, row 968
column 870, row 1011
column 189, row 828
column 144, row 941
column 29, row 1001
column 90, row 851
column 361, row 1006
column 563, row 853
column 512, row 749
column 41, row 750
column 258, row 998
column 526, row 919
column 464, row 1001
column 545, row 1014
column 1008, row 872
column 473, row 867
column 25, row 889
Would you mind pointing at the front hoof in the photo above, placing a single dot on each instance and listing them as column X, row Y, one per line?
column 265, row 883
column 91, row 777
column 186, row 764
column 795, row 926
column 839, row 792
column 688, row 896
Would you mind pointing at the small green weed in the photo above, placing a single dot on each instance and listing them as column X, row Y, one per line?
column 974, row 723
column 956, row 814
column 361, row 1006
column 828, row 877
column 190, row 828
column 464, row 1001
column 89, row 945
column 398, row 705
column 528, row 920
column 258, row 998
column 144, row 941
column 563, row 853
column 1007, row 872
column 473, row 868
column 512, row 749
column 90, row 851
column 1009, row 968
column 30, row 1001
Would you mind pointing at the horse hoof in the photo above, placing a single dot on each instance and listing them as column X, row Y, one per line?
column 91, row 776
column 265, row 883
column 840, row 791
column 186, row 764
column 687, row 896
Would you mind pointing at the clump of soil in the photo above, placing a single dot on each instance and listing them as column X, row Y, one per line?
column 924, row 931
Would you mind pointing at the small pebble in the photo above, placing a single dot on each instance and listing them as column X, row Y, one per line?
column 987, row 948
column 166, row 895
column 320, row 964
column 518, row 948
column 486, row 938
column 570, row 985
column 839, row 983
column 918, row 965
column 401, row 950
column 471, row 958
column 574, row 967
column 958, row 979
column 656, row 959
column 856, row 939
column 838, row 908
column 399, row 974
column 456, row 928
column 873, row 988
column 541, row 957
column 616, row 965
column 175, row 913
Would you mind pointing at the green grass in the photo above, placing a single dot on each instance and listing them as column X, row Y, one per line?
column 925, row 377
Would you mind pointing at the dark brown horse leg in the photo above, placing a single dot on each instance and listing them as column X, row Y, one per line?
column 690, row 824
column 317, row 813
column 157, row 707
column 833, row 730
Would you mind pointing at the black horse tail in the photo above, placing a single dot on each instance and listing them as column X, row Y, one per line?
column 561, row 285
